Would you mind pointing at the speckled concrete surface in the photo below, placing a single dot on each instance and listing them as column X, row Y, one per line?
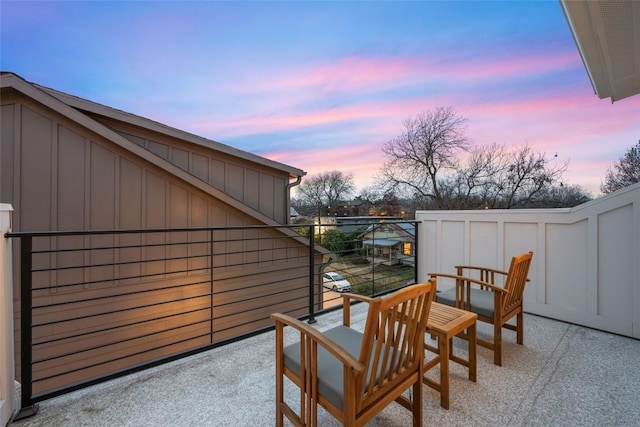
column 564, row 375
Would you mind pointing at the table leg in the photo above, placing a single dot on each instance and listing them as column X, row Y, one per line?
column 444, row 347
column 473, row 366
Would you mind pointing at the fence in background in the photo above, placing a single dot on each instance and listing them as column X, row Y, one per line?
column 586, row 261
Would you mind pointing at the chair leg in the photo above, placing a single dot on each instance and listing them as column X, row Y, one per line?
column 497, row 343
column 417, row 402
column 520, row 328
column 279, row 380
column 445, row 347
column 279, row 414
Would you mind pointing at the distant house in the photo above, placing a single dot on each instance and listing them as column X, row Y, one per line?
column 348, row 208
column 293, row 214
column 390, row 243
column 349, row 224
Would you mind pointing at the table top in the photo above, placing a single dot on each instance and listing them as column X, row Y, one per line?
column 446, row 319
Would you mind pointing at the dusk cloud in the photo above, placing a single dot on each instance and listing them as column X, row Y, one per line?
column 323, row 85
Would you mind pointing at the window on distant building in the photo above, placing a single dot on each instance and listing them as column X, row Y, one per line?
column 407, row 249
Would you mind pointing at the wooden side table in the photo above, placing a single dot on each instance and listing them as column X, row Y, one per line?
column 445, row 322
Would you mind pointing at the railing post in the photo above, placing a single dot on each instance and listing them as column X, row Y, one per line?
column 415, row 252
column 27, row 407
column 211, row 285
column 312, row 272
column 373, row 264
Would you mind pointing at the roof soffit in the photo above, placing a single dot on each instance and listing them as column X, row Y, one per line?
column 607, row 34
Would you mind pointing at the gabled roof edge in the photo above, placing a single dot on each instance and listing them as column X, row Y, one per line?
column 113, row 113
column 11, row 80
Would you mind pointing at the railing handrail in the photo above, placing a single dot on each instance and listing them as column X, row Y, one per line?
column 245, row 279
column 13, row 234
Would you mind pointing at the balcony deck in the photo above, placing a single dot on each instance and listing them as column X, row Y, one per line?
column 563, row 375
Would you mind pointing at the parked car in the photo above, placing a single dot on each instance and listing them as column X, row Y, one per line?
column 335, row 282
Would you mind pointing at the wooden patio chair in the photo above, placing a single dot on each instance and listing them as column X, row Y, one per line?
column 493, row 304
column 352, row 374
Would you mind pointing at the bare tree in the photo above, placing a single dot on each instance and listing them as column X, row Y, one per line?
column 427, row 160
column 428, row 146
column 325, row 190
column 561, row 196
column 507, row 179
column 626, row 171
column 368, row 198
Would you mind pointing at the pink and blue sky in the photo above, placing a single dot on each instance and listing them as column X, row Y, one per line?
column 323, row 85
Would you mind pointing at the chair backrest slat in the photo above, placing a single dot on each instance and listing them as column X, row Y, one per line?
column 390, row 360
column 400, row 322
column 516, row 279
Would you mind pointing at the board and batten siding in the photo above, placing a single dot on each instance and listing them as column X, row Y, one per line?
column 260, row 187
column 59, row 175
column 585, row 266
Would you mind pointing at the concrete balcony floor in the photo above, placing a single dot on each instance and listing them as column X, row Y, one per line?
column 563, row 375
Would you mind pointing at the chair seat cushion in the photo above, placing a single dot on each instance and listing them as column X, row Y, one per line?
column 330, row 369
column 481, row 300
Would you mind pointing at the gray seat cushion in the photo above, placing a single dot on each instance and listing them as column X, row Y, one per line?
column 481, row 300
column 330, row 369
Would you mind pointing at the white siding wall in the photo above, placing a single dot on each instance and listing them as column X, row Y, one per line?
column 586, row 260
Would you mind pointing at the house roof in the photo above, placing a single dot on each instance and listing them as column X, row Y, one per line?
column 380, row 242
column 607, row 34
column 70, row 107
column 407, row 228
column 84, row 105
column 122, row 116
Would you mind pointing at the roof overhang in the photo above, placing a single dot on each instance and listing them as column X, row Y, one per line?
column 91, row 107
column 607, row 34
column 380, row 242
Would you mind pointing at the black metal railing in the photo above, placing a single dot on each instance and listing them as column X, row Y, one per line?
column 95, row 305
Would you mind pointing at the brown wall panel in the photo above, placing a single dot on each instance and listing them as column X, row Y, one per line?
column 199, row 218
column 234, row 181
column 159, row 149
column 178, row 206
column 217, row 174
column 71, row 180
column 200, row 168
column 102, row 188
column 241, row 178
column 131, row 195
column 266, row 195
column 35, row 166
column 280, row 192
column 156, row 201
column 180, row 158
column 7, row 136
column 252, row 189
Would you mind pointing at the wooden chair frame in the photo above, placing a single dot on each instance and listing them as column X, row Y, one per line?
column 507, row 300
column 389, row 361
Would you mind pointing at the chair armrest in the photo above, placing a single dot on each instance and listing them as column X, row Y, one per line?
column 464, row 279
column 318, row 337
column 485, row 274
column 347, row 296
column 346, row 306
column 483, row 271
column 474, row 267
